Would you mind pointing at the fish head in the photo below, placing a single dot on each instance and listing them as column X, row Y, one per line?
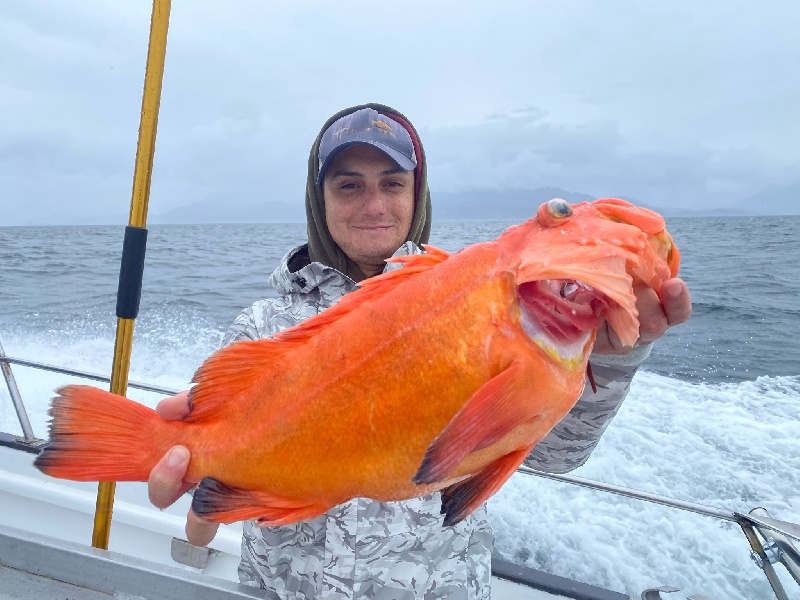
column 578, row 264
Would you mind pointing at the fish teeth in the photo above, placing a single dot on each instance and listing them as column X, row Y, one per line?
column 568, row 288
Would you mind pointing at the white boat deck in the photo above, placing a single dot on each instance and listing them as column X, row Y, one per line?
column 18, row 585
column 42, row 567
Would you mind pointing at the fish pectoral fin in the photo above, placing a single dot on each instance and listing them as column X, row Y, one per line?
column 461, row 499
column 492, row 412
column 222, row 503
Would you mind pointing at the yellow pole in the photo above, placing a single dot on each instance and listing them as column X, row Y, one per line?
column 151, row 99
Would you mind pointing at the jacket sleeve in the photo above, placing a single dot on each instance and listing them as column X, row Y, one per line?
column 263, row 319
column 572, row 440
column 243, row 328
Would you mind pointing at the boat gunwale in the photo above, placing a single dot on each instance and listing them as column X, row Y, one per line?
column 110, row 572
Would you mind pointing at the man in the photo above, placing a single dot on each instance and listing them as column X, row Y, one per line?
column 367, row 196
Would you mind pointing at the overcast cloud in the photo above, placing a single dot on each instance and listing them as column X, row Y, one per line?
column 680, row 103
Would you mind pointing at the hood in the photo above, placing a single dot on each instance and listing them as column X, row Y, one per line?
column 288, row 280
column 321, row 247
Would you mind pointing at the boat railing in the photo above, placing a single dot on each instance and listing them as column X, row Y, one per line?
column 772, row 541
column 16, row 399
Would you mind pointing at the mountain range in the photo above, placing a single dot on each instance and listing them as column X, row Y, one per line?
column 476, row 204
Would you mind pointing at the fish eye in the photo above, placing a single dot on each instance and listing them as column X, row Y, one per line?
column 559, row 209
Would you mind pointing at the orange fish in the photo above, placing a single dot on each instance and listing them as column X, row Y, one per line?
column 441, row 375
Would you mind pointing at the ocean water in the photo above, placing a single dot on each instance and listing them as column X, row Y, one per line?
column 713, row 417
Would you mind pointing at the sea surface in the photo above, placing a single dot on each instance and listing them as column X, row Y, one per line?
column 713, row 417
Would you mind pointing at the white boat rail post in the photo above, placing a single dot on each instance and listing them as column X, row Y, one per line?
column 748, row 523
column 16, row 399
column 778, row 546
column 759, row 555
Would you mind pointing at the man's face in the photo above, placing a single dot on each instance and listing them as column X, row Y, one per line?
column 369, row 205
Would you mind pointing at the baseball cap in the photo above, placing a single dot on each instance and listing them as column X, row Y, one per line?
column 366, row 126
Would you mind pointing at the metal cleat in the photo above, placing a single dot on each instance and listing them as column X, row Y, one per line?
column 655, row 593
column 187, row 554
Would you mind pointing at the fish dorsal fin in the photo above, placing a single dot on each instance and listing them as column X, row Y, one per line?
column 232, row 371
column 229, row 374
column 371, row 289
column 432, row 257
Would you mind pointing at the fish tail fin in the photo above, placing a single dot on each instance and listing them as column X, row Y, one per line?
column 98, row 436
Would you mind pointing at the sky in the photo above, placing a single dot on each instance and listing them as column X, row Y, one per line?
column 686, row 103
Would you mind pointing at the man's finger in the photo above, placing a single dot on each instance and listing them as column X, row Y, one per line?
column 199, row 532
column 166, row 483
column 677, row 301
column 652, row 318
column 174, row 408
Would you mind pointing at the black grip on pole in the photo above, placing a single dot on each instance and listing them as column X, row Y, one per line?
column 131, row 271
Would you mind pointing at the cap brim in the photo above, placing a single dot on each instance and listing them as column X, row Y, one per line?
column 403, row 161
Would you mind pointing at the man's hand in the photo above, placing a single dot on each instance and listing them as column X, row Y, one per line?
column 167, row 480
column 655, row 316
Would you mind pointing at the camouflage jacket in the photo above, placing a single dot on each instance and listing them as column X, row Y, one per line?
column 365, row 549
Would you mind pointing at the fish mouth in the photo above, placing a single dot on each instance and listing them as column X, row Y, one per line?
column 560, row 314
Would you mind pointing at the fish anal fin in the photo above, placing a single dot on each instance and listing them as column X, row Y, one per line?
column 461, row 499
column 493, row 411
column 221, row 503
